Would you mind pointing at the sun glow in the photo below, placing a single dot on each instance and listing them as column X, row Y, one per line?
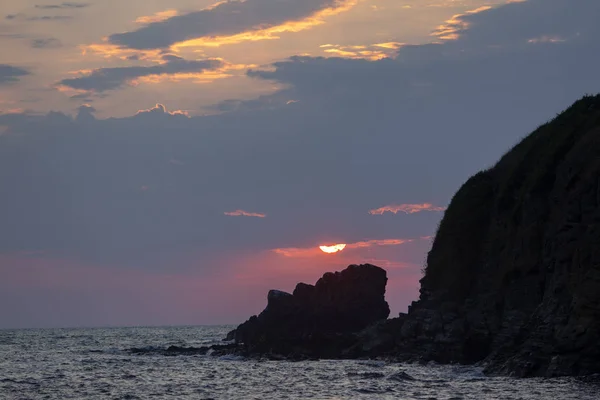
column 333, row 249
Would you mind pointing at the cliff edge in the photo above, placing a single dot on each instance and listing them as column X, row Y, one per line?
column 513, row 276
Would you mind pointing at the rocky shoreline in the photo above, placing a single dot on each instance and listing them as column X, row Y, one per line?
column 512, row 280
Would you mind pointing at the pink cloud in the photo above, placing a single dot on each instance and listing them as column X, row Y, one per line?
column 406, row 208
column 242, row 213
column 298, row 252
column 388, row 264
column 378, row 242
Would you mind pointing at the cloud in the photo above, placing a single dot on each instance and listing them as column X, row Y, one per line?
column 406, row 208
column 9, row 73
column 46, row 43
column 242, row 213
column 229, row 19
column 157, row 17
column 50, row 18
column 62, row 6
column 297, row 252
column 24, row 17
column 452, row 28
column 85, row 113
column 34, row 42
column 546, row 39
column 105, row 79
column 49, row 7
column 160, row 109
column 13, row 36
column 370, row 52
column 378, row 242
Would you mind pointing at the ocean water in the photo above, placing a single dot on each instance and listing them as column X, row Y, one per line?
column 99, row 364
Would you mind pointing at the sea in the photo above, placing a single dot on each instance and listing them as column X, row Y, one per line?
column 101, row 364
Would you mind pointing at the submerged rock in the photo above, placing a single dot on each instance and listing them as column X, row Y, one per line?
column 319, row 320
column 400, row 377
column 170, row 351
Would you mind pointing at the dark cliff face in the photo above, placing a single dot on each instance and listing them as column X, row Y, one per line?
column 319, row 320
column 513, row 276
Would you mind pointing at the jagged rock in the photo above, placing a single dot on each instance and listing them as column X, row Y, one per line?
column 513, row 277
column 319, row 320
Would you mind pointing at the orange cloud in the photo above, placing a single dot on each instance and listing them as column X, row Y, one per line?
column 242, row 213
column 406, row 208
column 389, row 45
column 452, row 28
column 157, row 17
column 169, row 68
column 373, row 52
column 109, row 48
column 269, row 33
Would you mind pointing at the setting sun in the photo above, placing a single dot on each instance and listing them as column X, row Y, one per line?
column 333, row 249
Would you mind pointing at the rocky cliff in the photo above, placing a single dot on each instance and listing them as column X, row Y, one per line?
column 512, row 279
column 320, row 320
column 513, row 276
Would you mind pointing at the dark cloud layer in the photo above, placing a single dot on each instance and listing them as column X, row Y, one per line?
column 64, row 5
column 48, row 7
column 227, row 18
column 46, row 43
column 9, row 73
column 39, row 18
column 345, row 137
column 104, row 79
column 34, row 42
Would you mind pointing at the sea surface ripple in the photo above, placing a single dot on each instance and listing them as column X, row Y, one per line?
column 99, row 364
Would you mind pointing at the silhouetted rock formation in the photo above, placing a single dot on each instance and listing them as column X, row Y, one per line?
column 513, row 277
column 317, row 321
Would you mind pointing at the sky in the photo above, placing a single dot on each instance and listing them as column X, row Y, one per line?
column 167, row 163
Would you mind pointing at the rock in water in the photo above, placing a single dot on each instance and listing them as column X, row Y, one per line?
column 513, row 276
column 319, row 320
